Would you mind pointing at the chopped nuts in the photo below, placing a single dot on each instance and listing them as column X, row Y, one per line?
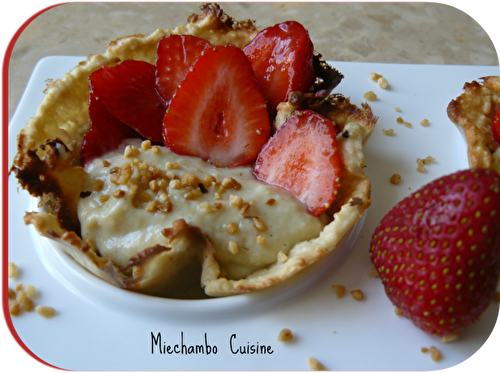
column 259, row 224
column 450, row 338
column 399, row 120
column 397, row 109
column 45, row 311
column 233, row 247
column 395, row 179
column 315, row 364
column 261, row 240
column 382, row 82
column 339, row 290
column 435, row 354
column 12, row 270
column 398, row 311
column 285, row 335
column 20, row 299
column 373, row 272
column 388, row 132
column 207, row 208
column 370, row 96
column 131, row 151
column 146, row 145
column 98, row 184
column 118, row 193
column 424, row 122
column 375, row 77
column 422, row 162
column 357, row 294
column 282, row 257
column 231, row 227
column 235, row 201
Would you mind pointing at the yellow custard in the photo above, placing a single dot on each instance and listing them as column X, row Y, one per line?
column 140, row 190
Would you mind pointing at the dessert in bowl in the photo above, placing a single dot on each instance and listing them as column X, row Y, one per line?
column 155, row 209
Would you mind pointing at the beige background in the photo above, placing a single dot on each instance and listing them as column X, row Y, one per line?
column 419, row 33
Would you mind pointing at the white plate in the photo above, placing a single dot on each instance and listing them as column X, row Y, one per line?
column 99, row 327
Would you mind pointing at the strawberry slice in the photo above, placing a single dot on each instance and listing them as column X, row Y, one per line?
column 106, row 132
column 174, row 56
column 128, row 92
column 495, row 127
column 282, row 59
column 218, row 112
column 302, row 157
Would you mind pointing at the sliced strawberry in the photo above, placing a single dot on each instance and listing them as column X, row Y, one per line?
column 302, row 157
column 282, row 59
column 438, row 251
column 174, row 56
column 106, row 132
column 495, row 127
column 218, row 112
column 128, row 92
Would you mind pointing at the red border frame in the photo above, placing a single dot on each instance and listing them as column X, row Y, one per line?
column 26, row 20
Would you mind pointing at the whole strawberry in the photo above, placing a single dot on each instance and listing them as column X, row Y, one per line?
column 438, row 251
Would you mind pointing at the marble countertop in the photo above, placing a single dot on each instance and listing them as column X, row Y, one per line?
column 417, row 33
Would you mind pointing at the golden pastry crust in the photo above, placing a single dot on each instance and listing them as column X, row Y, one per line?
column 47, row 165
column 473, row 112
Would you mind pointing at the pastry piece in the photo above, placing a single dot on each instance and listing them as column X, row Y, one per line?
column 473, row 112
column 185, row 258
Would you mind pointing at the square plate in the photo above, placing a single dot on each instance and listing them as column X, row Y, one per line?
column 98, row 328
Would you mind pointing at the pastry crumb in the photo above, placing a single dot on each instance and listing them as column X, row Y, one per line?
column 339, row 290
column 388, row 132
column 375, row 77
column 315, row 364
column 285, row 335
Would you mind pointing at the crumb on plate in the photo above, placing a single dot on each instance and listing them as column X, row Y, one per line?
column 339, row 290
column 285, row 335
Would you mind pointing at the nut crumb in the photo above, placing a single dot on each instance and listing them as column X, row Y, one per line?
column 382, row 82
column 233, row 247
column 388, row 132
column 373, row 272
column 370, row 96
column 424, row 122
column 315, row 364
column 397, row 109
column 13, row 271
column 435, row 353
column 398, row 311
column 45, row 311
column 399, row 120
column 395, row 179
column 357, row 294
column 407, row 124
column 375, row 77
column 339, row 290
column 282, row 257
column 285, row 335
column 450, row 338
